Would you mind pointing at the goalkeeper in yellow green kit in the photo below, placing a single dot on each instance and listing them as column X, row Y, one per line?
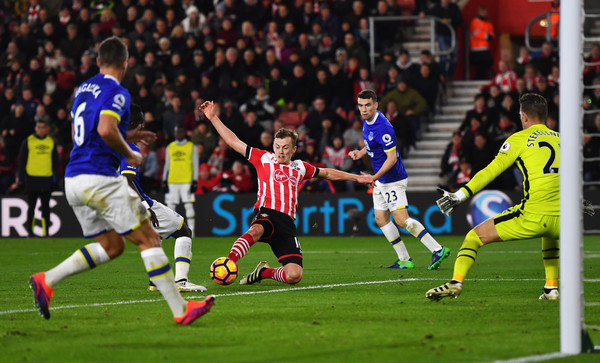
column 536, row 150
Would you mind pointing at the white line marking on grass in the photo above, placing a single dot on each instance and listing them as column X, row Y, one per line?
column 592, row 304
column 241, row 293
column 535, row 358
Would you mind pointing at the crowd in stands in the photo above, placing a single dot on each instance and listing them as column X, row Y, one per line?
column 267, row 64
column 495, row 116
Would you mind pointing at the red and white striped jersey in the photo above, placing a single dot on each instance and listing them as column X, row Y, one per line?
column 278, row 184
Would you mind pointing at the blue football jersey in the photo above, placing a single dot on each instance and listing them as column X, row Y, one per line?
column 98, row 95
column 128, row 169
column 379, row 137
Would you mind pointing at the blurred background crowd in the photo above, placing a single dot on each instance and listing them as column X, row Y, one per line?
column 269, row 64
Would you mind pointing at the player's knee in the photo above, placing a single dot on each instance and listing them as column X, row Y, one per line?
column 185, row 231
column 293, row 276
column 381, row 221
column 115, row 249
column 256, row 231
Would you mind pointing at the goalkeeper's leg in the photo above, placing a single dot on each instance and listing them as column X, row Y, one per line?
column 551, row 254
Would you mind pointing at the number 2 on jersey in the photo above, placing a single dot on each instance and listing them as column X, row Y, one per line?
column 78, row 125
column 548, row 168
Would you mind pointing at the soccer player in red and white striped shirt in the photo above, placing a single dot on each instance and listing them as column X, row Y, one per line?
column 275, row 209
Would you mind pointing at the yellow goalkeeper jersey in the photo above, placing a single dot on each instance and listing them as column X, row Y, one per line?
column 536, row 150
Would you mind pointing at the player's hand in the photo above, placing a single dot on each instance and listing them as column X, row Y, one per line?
column 153, row 218
column 365, row 178
column 165, row 187
column 135, row 158
column 193, row 187
column 588, row 208
column 136, row 135
column 355, row 154
column 208, row 107
column 447, row 202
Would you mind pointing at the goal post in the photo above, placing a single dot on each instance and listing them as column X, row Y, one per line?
column 571, row 181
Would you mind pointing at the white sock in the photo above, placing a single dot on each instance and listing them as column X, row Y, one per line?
column 85, row 258
column 416, row 229
column 390, row 231
column 190, row 216
column 183, row 257
column 159, row 271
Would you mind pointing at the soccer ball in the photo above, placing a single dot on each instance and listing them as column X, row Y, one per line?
column 223, row 271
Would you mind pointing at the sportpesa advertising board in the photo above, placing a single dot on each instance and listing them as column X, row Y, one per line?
column 339, row 214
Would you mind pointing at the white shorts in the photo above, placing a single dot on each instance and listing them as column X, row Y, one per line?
column 102, row 203
column 390, row 196
column 179, row 192
column 169, row 221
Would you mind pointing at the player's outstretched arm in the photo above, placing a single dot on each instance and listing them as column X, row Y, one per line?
column 228, row 136
column 334, row 174
column 109, row 131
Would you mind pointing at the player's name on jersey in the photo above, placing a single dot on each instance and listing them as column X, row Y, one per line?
column 534, row 135
column 89, row 87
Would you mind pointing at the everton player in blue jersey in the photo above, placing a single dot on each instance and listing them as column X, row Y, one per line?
column 104, row 204
column 389, row 193
column 165, row 221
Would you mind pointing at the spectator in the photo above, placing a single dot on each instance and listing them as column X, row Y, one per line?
column 203, row 135
column 521, row 61
column 411, row 106
column 336, row 156
column 194, row 21
column 481, row 34
column 266, row 141
column 462, row 175
column 364, row 81
column 505, row 78
column 173, row 117
column 502, row 130
column 236, row 180
column 221, row 158
column 354, row 49
column 546, row 60
column 382, row 67
column 427, row 86
column 261, row 106
column 591, row 68
column 14, row 129
column 298, row 90
column 450, row 160
column 353, row 134
column 554, row 77
column 251, row 130
column 206, row 182
column 451, row 16
column 482, row 153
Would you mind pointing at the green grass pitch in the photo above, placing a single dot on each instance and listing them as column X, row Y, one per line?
column 347, row 308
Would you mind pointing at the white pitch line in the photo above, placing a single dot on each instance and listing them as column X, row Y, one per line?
column 535, row 358
column 241, row 293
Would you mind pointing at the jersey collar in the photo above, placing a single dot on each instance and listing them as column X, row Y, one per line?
column 107, row 76
column 374, row 119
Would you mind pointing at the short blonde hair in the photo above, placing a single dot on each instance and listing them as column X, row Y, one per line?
column 282, row 133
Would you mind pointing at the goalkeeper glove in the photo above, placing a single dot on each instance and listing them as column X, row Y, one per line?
column 449, row 200
column 194, row 187
column 588, row 208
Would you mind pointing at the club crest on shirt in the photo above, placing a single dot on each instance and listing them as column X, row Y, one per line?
column 280, row 176
column 370, row 136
